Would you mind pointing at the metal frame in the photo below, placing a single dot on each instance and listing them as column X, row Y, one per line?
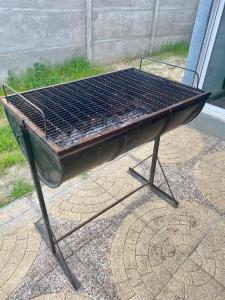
column 46, row 230
column 156, row 189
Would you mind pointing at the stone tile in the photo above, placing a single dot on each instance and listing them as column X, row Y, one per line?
column 115, row 179
column 209, row 173
column 86, row 199
column 175, row 146
column 168, row 237
column 185, row 286
column 210, row 254
column 16, row 254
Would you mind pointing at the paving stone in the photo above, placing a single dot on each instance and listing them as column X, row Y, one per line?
column 86, row 199
column 176, row 146
column 16, row 255
column 182, row 287
column 210, row 176
column 167, row 248
column 210, row 254
column 115, row 179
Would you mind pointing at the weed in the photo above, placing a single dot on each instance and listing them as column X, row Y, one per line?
column 20, row 188
column 178, row 49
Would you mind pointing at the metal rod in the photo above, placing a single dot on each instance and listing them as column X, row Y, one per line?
column 62, row 261
column 27, row 101
column 101, row 212
column 154, row 159
column 156, row 189
column 166, row 197
column 171, row 65
column 137, row 175
column 31, row 161
column 167, row 182
column 58, row 255
column 141, row 162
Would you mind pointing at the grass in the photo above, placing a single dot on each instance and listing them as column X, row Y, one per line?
column 20, row 188
column 9, row 151
column 178, row 49
column 8, row 160
column 7, row 140
column 2, row 114
column 44, row 74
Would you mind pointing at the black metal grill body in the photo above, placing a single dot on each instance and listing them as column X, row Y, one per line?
column 91, row 121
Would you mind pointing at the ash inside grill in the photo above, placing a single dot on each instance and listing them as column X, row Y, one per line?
column 87, row 107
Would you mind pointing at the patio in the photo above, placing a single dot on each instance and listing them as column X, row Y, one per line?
column 142, row 248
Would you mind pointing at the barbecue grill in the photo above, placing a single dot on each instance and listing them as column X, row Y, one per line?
column 67, row 129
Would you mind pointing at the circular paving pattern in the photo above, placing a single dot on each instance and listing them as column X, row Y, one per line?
column 115, row 179
column 210, row 176
column 61, row 296
column 205, row 270
column 177, row 146
column 19, row 244
column 152, row 248
column 212, row 253
column 96, row 192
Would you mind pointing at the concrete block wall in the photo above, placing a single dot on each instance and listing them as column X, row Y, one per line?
column 104, row 30
column 34, row 30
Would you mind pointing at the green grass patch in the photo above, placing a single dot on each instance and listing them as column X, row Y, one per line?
column 9, row 159
column 178, row 49
column 2, row 113
column 44, row 74
column 19, row 189
column 7, row 139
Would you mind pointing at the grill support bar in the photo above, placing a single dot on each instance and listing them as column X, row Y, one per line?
column 156, row 189
column 45, row 229
column 103, row 211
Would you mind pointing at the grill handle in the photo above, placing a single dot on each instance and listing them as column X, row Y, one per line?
column 171, row 65
column 5, row 86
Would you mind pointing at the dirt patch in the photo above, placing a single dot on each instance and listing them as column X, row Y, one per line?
column 156, row 68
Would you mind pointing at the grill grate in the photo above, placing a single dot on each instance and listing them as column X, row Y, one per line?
column 86, row 107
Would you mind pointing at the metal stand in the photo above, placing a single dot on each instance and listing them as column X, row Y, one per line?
column 45, row 229
column 168, row 198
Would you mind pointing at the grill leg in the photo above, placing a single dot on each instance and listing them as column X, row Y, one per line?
column 154, row 160
column 168, row 198
column 46, row 230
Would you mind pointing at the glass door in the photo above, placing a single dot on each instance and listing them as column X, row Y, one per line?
column 215, row 74
column 212, row 58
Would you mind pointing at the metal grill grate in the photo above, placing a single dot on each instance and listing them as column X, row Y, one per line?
column 86, row 107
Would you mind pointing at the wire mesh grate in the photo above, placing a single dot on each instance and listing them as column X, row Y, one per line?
column 86, row 107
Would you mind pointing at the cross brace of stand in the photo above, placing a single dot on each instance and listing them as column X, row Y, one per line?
column 45, row 228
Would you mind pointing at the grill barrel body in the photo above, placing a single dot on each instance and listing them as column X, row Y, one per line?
column 55, row 167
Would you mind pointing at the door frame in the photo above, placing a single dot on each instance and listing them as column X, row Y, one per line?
column 206, row 52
